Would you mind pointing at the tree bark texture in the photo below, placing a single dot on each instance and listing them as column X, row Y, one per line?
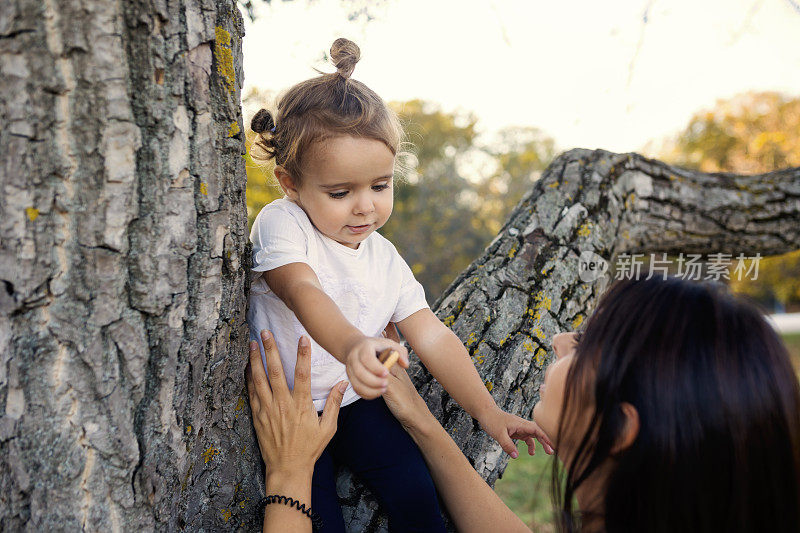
column 123, row 234
column 510, row 302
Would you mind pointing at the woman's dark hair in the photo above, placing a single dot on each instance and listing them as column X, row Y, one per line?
column 718, row 447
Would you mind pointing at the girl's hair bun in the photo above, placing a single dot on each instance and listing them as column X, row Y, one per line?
column 345, row 54
column 262, row 121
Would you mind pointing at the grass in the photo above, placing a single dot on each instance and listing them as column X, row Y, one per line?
column 525, row 485
column 525, row 488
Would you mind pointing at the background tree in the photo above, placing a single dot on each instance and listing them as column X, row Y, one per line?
column 749, row 133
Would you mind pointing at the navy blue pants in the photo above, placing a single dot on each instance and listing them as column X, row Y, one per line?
column 371, row 442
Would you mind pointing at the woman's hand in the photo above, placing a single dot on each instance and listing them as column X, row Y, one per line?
column 290, row 434
column 401, row 396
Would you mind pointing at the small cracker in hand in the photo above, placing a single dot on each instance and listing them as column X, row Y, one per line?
column 389, row 357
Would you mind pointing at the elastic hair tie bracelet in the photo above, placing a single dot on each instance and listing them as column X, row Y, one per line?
column 316, row 520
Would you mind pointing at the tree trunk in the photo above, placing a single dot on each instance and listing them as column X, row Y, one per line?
column 122, row 244
column 507, row 305
column 123, row 259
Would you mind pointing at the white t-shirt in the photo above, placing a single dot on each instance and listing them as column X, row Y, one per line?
column 372, row 286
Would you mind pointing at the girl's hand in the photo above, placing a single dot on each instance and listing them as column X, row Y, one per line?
column 366, row 373
column 504, row 426
column 290, row 434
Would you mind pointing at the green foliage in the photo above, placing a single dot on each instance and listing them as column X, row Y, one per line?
column 750, row 133
column 458, row 196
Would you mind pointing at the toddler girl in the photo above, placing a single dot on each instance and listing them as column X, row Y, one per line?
column 321, row 269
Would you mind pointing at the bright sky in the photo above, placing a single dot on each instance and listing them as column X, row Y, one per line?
column 570, row 68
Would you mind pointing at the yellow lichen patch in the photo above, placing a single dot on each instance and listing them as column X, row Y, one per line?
column 203, row 188
column 224, row 55
column 585, row 230
column 209, row 454
column 488, row 319
column 472, row 339
column 577, row 322
column 478, row 359
column 32, row 213
column 489, row 385
column 626, row 235
column 542, row 301
column 539, row 333
column 244, row 450
column 505, row 340
column 226, row 514
column 528, row 346
column 448, row 321
column 512, row 252
column 188, row 429
column 540, row 356
column 240, row 404
column 242, row 504
column 234, row 129
column 553, row 185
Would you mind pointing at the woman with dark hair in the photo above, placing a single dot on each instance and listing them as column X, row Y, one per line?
column 675, row 410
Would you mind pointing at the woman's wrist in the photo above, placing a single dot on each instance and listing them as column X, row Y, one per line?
column 293, row 483
column 421, row 423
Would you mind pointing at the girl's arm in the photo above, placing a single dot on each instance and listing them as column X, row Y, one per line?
column 472, row 504
column 446, row 358
column 298, row 287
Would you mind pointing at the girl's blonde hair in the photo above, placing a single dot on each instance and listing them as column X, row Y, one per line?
column 319, row 108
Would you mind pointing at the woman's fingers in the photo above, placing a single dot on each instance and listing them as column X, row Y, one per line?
column 277, row 381
column 403, row 352
column 257, row 385
column 302, row 370
column 330, row 413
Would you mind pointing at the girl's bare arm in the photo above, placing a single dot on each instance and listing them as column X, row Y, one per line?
column 298, row 287
column 446, row 358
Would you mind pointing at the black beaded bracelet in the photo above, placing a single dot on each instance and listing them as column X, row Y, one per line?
column 316, row 520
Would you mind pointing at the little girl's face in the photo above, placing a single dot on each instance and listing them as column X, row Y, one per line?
column 346, row 188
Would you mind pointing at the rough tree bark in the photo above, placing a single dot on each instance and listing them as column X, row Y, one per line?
column 507, row 305
column 123, row 230
column 123, row 260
